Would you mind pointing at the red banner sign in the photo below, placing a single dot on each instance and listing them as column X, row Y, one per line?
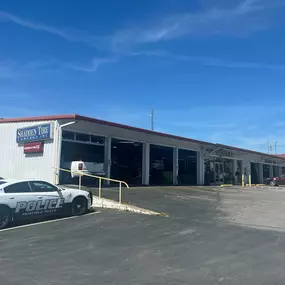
column 34, row 147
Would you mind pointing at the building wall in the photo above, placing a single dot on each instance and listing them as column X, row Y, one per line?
column 120, row 133
column 148, row 138
column 14, row 163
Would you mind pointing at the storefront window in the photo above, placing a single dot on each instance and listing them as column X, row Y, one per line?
column 219, row 171
column 238, row 173
column 209, row 172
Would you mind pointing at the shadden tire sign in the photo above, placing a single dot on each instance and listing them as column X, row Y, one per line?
column 42, row 207
column 35, row 133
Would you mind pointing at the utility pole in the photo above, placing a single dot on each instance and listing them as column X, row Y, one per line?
column 275, row 145
column 152, row 119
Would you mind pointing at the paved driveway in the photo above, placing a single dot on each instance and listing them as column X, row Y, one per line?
column 201, row 242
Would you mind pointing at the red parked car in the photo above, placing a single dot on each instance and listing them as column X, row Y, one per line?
column 275, row 181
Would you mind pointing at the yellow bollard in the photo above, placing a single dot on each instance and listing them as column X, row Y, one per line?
column 249, row 180
column 242, row 180
column 100, row 188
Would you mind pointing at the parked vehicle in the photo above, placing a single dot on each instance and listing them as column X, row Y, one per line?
column 91, row 168
column 27, row 199
column 275, row 181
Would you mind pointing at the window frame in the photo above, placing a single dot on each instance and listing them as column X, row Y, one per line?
column 54, row 188
column 14, row 184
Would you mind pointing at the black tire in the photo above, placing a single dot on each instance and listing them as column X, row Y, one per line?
column 79, row 206
column 272, row 183
column 5, row 217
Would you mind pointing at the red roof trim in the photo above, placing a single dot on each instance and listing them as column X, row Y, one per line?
column 83, row 118
column 42, row 118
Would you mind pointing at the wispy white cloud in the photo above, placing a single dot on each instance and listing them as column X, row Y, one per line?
column 68, row 34
column 91, row 66
column 214, row 21
column 235, row 19
column 207, row 61
column 240, row 19
column 11, row 69
column 14, row 69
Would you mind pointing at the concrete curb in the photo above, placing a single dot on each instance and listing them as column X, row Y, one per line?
column 110, row 204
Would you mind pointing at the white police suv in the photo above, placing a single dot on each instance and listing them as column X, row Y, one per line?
column 28, row 199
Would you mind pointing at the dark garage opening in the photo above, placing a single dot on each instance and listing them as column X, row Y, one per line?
column 254, row 173
column 187, row 173
column 91, row 150
column 275, row 171
column 161, row 165
column 266, row 171
column 127, row 161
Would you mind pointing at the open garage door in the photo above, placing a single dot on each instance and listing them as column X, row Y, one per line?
column 266, row 171
column 161, row 165
column 127, row 161
column 75, row 146
column 255, row 173
column 187, row 173
column 275, row 171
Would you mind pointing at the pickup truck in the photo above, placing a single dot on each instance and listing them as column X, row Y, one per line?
column 86, row 167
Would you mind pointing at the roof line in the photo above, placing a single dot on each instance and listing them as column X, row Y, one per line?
column 112, row 124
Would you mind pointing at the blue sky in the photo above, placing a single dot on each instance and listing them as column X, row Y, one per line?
column 212, row 69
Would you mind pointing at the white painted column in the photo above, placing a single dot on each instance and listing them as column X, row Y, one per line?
column 200, row 168
column 175, row 166
column 108, row 158
column 246, row 170
column 145, row 163
column 260, row 165
column 271, row 170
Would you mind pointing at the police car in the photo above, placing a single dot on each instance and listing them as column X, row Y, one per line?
column 28, row 199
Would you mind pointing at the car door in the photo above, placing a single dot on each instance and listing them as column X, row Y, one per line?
column 19, row 198
column 282, row 179
column 50, row 198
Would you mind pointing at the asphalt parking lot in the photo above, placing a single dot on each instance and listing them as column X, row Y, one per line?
column 212, row 236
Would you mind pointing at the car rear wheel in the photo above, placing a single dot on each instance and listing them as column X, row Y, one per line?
column 5, row 217
column 79, row 206
column 272, row 183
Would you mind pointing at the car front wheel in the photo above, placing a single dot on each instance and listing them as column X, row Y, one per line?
column 5, row 217
column 79, row 206
column 272, row 183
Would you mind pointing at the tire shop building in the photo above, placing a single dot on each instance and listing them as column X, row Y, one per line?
column 33, row 147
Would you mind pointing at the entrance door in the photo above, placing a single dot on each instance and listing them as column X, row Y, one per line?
column 219, row 172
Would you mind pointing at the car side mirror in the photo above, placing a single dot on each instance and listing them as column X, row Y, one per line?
column 59, row 189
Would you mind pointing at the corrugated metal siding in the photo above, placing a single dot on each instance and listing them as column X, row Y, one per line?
column 15, row 164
